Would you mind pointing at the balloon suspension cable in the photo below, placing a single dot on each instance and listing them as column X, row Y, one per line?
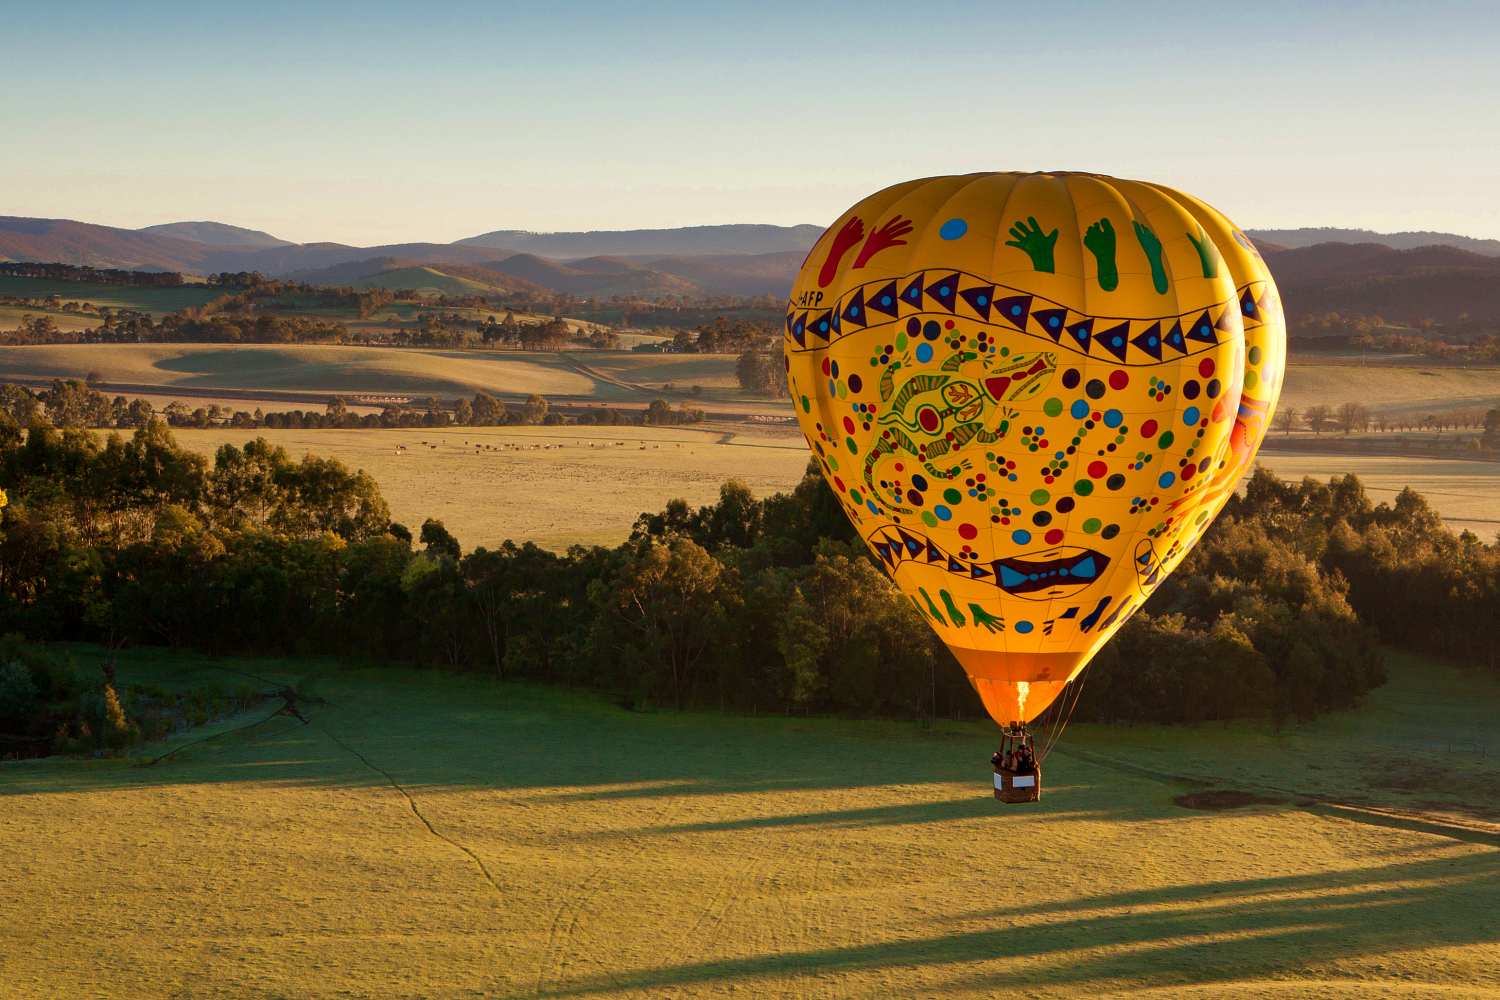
column 1058, row 722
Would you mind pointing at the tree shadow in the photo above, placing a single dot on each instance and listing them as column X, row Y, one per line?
column 1213, row 932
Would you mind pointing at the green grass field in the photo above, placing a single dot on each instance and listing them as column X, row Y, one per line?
column 429, row 835
column 156, row 301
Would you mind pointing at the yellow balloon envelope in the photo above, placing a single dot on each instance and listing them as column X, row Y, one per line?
column 1032, row 393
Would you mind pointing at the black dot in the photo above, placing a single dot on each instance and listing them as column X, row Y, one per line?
column 1064, row 505
column 1041, row 518
column 1110, row 530
column 1190, row 390
column 1115, row 482
column 1095, row 389
column 1070, row 378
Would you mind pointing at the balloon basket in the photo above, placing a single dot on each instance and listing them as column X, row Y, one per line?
column 1010, row 784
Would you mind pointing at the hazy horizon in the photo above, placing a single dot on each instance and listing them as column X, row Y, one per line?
column 347, row 125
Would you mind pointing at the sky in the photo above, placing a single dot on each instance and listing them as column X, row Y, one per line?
column 376, row 123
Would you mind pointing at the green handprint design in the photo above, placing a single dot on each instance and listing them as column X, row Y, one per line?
column 1152, row 246
column 932, row 611
column 1028, row 237
column 954, row 615
column 1207, row 255
column 1100, row 239
column 983, row 619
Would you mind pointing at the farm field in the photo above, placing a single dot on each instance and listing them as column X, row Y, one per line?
column 556, row 486
column 621, row 376
column 156, row 301
column 447, row 836
column 559, row 486
column 1466, row 494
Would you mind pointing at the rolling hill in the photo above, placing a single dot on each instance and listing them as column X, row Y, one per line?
column 685, row 241
column 1404, row 286
column 217, row 234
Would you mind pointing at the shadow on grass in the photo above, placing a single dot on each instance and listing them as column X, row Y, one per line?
column 1204, row 933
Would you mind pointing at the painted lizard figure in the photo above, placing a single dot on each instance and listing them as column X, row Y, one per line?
column 933, row 413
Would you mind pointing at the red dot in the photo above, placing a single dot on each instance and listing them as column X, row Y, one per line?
column 848, row 425
column 1118, row 379
column 839, row 483
column 1098, row 470
column 1189, row 472
column 826, row 368
column 900, row 467
column 967, row 530
column 1148, row 429
column 948, row 324
column 1206, row 367
column 1054, row 536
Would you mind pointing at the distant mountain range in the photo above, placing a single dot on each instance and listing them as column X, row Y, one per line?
column 1293, row 238
column 1403, row 277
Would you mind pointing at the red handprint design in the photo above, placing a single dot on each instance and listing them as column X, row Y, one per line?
column 843, row 241
column 888, row 235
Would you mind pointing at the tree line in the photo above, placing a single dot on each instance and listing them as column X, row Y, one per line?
column 745, row 604
column 71, row 403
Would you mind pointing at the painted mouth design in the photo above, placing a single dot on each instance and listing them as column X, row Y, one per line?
column 1051, row 572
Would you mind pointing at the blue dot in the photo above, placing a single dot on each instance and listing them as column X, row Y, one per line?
column 1023, row 626
column 1079, row 409
column 943, row 291
column 833, row 369
column 982, row 299
column 943, row 513
column 823, row 326
column 1053, row 321
column 924, row 353
column 1167, row 479
column 1190, row 416
column 1015, row 310
column 953, row 229
column 854, row 310
column 1152, row 341
column 1020, row 536
column 885, row 300
column 1112, row 418
column 871, row 504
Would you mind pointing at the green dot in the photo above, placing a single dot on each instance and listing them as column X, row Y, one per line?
column 843, row 391
column 928, row 519
column 853, row 448
column 1090, row 526
column 833, row 462
column 1083, row 487
column 806, row 405
column 952, row 495
column 1052, row 407
column 1040, row 497
column 1004, row 351
column 1165, row 441
column 1255, row 355
column 1251, row 380
column 854, row 495
column 900, row 341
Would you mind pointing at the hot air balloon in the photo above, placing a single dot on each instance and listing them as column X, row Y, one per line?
column 1032, row 393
